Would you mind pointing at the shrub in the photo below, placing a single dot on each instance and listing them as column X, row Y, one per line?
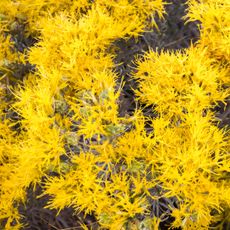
column 61, row 128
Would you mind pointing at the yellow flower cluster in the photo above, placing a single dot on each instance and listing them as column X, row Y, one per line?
column 215, row 29
column 70, row 100
column 191, row 157
column 68, row 130
column 180, row 82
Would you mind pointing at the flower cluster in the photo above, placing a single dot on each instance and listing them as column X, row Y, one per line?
column 61, row 128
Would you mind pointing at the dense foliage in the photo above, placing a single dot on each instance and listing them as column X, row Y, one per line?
column 61, row 128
